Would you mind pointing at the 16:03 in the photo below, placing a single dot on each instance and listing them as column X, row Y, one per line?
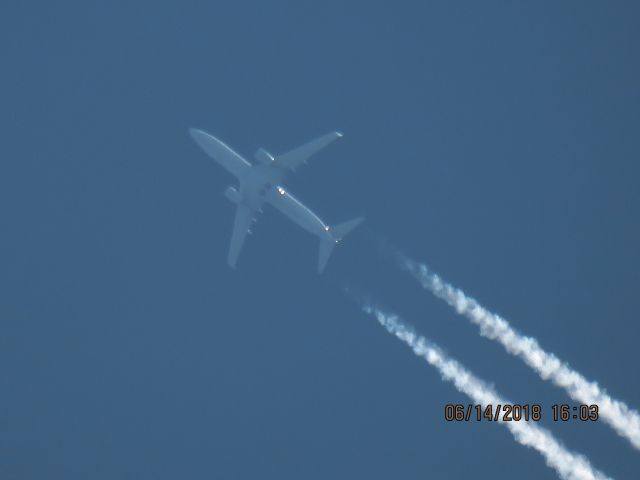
column 583, row 412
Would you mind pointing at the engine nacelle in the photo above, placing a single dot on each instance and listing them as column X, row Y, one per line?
column 233, row 195
column 263, row 156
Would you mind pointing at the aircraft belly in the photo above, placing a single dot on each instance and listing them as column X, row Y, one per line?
column 296, row 211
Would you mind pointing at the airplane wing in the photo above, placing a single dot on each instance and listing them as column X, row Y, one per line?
column 241, row 224
column 220, row 152
column 293, row 159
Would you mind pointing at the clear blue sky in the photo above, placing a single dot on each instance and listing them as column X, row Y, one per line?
column 497, row 141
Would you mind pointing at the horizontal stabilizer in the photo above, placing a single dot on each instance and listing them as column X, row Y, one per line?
column 337, row 233
column 326, row 247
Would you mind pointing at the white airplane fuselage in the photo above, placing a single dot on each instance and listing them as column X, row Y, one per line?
column 260, row 186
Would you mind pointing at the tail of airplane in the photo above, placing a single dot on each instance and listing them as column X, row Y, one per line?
column 337, row 232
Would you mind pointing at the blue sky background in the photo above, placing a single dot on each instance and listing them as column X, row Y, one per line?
column 497, row 141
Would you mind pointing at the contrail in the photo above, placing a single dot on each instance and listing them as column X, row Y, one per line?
column 624, row 420
column 568, row 465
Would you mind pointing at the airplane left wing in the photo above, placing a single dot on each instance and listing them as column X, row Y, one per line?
column 293, row 159
column 241, row 224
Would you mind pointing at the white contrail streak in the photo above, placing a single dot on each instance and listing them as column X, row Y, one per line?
column 568, row 465
column 624, row 420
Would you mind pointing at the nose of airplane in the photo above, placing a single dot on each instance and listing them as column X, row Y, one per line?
column 195, row 133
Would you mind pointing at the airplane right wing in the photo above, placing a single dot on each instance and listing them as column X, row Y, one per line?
column 241, row 224
column 220, row 152
column 293, row 159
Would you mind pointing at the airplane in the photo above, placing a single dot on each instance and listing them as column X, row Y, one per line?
column 260, row 183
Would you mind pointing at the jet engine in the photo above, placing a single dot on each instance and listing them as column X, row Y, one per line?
column 263, row 156
column 233, row 195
